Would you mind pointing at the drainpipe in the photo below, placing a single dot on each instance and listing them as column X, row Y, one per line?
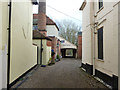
column 94, row 27
column 93, row 51
column 93, row 48
column 41, row 53
column 94, row 33
column 9, row 44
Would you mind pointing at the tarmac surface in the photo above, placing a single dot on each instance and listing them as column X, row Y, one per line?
column 63, row 74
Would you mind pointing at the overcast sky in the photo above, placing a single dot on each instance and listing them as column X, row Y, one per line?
column 63, row 9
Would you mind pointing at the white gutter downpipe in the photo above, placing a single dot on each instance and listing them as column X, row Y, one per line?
column 94, row 52
column 94, row 27
column 94, row 32
column 93, row 47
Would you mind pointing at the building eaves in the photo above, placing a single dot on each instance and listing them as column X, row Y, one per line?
column 38, row 35
column 51, row 22
column 83, row 5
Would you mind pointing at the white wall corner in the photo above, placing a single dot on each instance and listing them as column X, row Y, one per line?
column 119, row 45
column 4, row 67
column 0, row 69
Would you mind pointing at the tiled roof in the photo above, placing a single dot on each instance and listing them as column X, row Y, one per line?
column 38, row 35
column 48, row 21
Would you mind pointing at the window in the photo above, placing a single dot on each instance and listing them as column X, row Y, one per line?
column 35, row 27
column 62, row 41
column 100, row 43
column 100, row 4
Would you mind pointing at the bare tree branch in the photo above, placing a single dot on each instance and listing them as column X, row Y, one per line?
column 69, row 31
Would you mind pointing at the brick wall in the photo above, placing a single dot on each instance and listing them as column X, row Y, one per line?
column 58, row 48
column 49, row 43
column 53, row 43
column 79, row 52
column 35, row 16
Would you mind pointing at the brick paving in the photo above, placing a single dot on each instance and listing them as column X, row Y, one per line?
column 64, row 74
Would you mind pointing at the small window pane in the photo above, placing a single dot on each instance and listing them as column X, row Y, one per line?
column 35, row 27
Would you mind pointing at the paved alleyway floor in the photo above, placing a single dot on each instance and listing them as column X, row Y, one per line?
column 64, row 74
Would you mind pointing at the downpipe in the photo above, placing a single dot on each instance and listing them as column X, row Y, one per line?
column 9, row 44
column 94, row 32
column 93, row 48
column 41, row 50
column 94, row 51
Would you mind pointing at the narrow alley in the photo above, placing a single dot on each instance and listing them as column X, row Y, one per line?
column 64, row 74
column 60, row 44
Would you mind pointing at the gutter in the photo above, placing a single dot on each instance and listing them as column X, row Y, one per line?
column 9, row 44
column 83, row 5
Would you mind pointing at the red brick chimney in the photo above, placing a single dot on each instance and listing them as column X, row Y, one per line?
column 42, row 17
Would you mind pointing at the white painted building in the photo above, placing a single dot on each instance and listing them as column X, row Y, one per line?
column 66, row 44
column 52, row 30
column 21, row 56
column 100, row 35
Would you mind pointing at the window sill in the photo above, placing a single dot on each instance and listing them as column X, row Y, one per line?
column 100, row 10
column 100, row 60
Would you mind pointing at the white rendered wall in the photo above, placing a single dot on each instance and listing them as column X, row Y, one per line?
column 108, row 19
column 52, row 30
column 0, row 45
column 86, row 36
column 23, row 53
column 3, row 43
column 118, row 45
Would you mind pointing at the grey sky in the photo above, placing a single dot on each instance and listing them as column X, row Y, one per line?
column 70, row 8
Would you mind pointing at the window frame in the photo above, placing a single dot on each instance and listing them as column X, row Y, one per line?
column 102, row 44
column 99, row 2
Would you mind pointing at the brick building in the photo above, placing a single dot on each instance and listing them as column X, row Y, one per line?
column 51, row 30
column 40, row 37
column 79, row 50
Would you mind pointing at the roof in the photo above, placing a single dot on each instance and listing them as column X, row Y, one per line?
column 38, row 35
column 48, row 21
column 83, row 5
column 66, row 44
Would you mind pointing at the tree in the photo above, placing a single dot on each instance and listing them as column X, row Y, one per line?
column 69, row 31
